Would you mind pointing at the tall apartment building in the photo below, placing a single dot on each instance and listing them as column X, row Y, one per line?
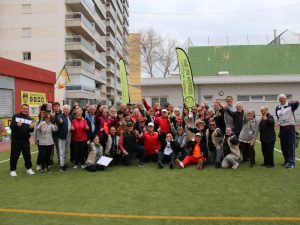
column 88, row 36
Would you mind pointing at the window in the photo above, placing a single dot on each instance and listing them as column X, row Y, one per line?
column 270, row 98
column 161, row 100
column 243, row 98
column 26, row 8
column 26, row 55
column 289, row 96
column 26, row 32
column 208, row 98
column 256, row 97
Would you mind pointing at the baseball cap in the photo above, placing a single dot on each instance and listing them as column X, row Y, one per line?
column 151, row 124
column 129, row 124
column 199, row 134
column 164, row 110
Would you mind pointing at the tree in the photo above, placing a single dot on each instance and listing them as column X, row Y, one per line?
column 158, row 53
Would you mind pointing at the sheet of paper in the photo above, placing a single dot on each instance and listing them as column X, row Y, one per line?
column 104, row 161
column 18, row 120
column 27, row 121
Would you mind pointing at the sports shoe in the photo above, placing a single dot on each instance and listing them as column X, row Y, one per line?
column 179, row 164
column 13, row 173
column 160, row 165
column 235, row 166
column 30, row 172
column 252, row 165
column 75, row 167
column 290, row 166
column 62, row 169
column 218, row 165
column 38, row 167
column 171, row 165
column 43, row 171
column 82, row 166
column 141, row 165
column 200, row 164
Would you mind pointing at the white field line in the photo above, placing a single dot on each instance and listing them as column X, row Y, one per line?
column 6, row 160
column 277, row 150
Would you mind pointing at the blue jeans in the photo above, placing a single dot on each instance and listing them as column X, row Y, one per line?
column 287, row 142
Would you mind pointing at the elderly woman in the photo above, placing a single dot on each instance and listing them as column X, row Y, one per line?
column 95, row 153
column 136, row 115
column 177, row 119
column 248, row 137
column 267, row 136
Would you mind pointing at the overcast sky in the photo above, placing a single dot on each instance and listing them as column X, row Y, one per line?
column 198, row 19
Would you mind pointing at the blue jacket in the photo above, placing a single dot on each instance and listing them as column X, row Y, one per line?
column 89, row 120
column 62, row 132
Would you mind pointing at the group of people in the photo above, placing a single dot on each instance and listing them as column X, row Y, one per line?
column 223, row 136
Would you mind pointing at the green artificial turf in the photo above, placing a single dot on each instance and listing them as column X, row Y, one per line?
column 257, row 192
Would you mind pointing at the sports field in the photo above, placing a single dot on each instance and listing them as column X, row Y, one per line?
column 135, row 195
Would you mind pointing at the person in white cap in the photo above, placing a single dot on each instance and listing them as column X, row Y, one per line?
column 163, row 124
column 151, row 143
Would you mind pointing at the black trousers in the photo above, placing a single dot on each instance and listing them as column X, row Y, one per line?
column 80, row 148
column 267, row 149
column 18, row 146
column 138, row 151
column 55, row 140
column 45, row 155
column 38, row 159
column 248, row 152
column 94, row 168
column 166, row 158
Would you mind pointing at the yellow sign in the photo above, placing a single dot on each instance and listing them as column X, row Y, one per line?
column 186, row 77
column 124, row 82
column 33, row 98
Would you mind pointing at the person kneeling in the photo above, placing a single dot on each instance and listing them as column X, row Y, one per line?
column 231, row 150
column 196, row 156
column 95, row 153
column 167, row 152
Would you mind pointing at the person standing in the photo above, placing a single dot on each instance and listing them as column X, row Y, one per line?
column 55, row 114
column 151, row 143
column 64, row 137
column 286, row 118
column 90, row 117
column 267, row 137
column 79, row 129
column 21, row 126
column 46, row 129
column 227, row 118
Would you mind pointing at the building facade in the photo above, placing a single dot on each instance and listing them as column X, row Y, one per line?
column 88, row 36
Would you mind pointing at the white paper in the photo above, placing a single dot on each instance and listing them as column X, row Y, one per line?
column 20, row 120
column 27, row 121
column 104, row 161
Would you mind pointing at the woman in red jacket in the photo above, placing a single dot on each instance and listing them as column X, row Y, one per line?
column 79, row 139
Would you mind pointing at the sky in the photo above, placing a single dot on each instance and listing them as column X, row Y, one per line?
column 209, row 22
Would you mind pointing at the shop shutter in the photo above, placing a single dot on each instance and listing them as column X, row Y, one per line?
column 6, row 103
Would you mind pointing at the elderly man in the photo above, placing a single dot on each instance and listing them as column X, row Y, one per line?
column 91, row 120
column 21, row 126
column 64, row 136
column 286, row 118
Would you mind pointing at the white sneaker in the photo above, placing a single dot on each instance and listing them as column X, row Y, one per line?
column 30, row 172
column 13, row 173
column 38, row 167
column 82, row 166
column 235, row 166
column 179, row 164
column 75, row 167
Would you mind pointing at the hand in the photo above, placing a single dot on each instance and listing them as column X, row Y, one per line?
column 31, row 126
column 156, row 151
column 143, row 99
column 19, row 124
column 226, row 107
column 88, row 142
column 264, row 118
column 87, row 127
column 101, row 129
column 125, row 153
column 252, row 143
column 61, row 121
column 72, row 128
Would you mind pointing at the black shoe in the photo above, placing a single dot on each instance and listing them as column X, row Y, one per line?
column 171, row 166
column 66, row 167
column 263, row 164
column 252, row 165
column 160, row 165
column 61, row 169
column 218, row 165
column 269, row 166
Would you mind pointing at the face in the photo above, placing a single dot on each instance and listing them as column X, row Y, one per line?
column 112, row 131
column 122, row 107
column 165, row 114
column 250, row 115
column 216, row 106
column 150, row 128
column 186, row 111
column 78, row 114
column 75, row 109
column 228, row 131
column 92, row 110
column 142, row 123
column 130, row 128
column 104, row 113
column 170, row 108
column 139, row 106
column 169, row 137
column 56, row 108
column 212, row 126
column 282, row 100
column 152, row 112
column 47, row 118
column 179, row 131
column 156, row 105
column 66, row 111
column 194, row 110
column 229, row 101
column 264, row 112
column 239, row 107
column 42, row 114
column 198, row 138
column 96, row 140
column 25, row 110
column 113, row 112
column 177, row 113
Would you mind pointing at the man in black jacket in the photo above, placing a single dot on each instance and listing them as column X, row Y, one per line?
column 21, row 126
column 167, row 152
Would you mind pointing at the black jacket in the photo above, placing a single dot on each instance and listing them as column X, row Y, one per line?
column 174, row 146
column 267, row 130
column 238, row 121
column 22, row 132
column 191, row 146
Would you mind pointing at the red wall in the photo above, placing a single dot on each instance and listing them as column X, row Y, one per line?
column 32, row 86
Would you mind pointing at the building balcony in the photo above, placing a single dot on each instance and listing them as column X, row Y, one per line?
column 79, row 24
column 78, row 66
column 100, row 59
column 118, row 86
column 80, row 46
column 110, row 68
column 86, row 6
column 111, row 26
column 110, row 40
column 110, row 83
column 110, row 54
column 101, row 24
column 101, row 8
column 101, row 76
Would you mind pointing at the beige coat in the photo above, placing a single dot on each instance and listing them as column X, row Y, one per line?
column 95, row 152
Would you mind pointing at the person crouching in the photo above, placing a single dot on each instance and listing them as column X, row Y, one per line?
column 197, row 154
column 95, row 153
column 167, row 152
column 231, row 150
